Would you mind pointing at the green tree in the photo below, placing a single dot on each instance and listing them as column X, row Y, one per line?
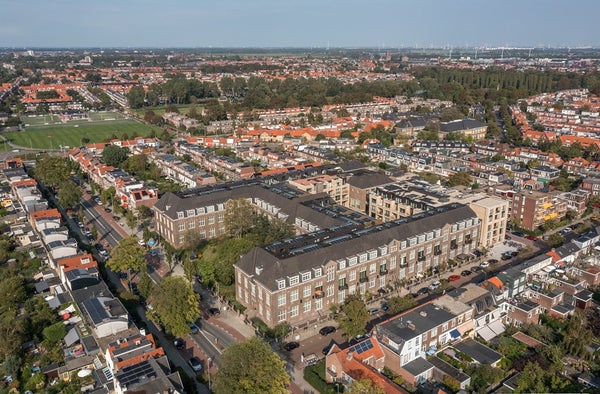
column 320, row 137
column 353, row 316
column 52, row 170
column 13, row 293
column 144, row 212
column 365, row 386
column 126, row 256
column 69, row 194
column 130, row 219
column 114, row 155
column 239, row 217
column 400, row 304
column 145, row 284
column 555, row 240
column 54, row 334
column 483, row 376
column 251, row 367
column 175, row 304
column 136, row 164
column 532, row 379
column 136, row 96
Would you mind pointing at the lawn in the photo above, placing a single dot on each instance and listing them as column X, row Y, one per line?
column 183, row 109
column 70, row 134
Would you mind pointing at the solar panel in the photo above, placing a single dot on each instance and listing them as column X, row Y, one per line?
column 362, row 347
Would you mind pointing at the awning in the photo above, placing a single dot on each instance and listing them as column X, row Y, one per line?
column 71, row 337
column 454, row 334
column 462, row 256
column 486, row 333
column 497, row 327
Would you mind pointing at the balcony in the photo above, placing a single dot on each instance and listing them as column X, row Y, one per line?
column 468, row 241
column 422, row 258
column 383, row 271
column 363, row 279
column 437, row 252
column 319, row 293
column 342, row 286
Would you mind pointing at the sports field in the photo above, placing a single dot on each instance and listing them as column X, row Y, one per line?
column 183, row 109
column 53, row 135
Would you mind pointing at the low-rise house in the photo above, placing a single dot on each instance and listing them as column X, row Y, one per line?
column 62, row 249
column 513, row 282
column 148, row 376
column 104, row 313
column 128, row 351
column 443, row 371
column 523, row 312
column 48, row 219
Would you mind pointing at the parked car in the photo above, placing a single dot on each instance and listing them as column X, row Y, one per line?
column 179, row 343
column 373, row 311
column 484, row 264
column 327, row 330
column 214, row 311
column 476, row 268
column 466, row 273
column 493, row 261
column 98, row 201
column 435, row 285
column 327, row 348
column 453, row 278
column 107, row 209
column 385, row 307
column 194, row 328
column 517, row 234
column 291, row 346
column 196, row 364
column 422, row 291
column 531, row 237
column 141, row 242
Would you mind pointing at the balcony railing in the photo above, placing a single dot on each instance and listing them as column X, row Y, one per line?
column 383, row 271
column 363, row 279
column 422, row 258
column 437, row 252
column 342, row 286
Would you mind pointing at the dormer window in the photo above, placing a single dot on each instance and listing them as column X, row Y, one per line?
column 180, row 215
column 280, row 284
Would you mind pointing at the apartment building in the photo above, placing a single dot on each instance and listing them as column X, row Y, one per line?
column 335, row 186
column 299, row 279
column 532, row 209
column 203, row 210
column 493, row 213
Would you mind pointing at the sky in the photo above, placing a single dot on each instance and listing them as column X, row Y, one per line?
column 299, row 23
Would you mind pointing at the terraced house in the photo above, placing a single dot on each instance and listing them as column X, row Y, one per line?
column 297, row 280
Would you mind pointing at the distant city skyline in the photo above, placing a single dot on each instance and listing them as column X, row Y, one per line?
column 293, row 23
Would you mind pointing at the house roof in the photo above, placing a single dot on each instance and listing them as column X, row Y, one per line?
column 368, row 180
column 417, row 366
column 478, row 351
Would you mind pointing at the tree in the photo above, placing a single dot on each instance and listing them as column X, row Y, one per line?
column 555, row 240
column 239, row 217
column 55, row 333
column 136, row 164
column 175, row 304
column 114, row 155
column 532, row 379
column 251, row 367
column 365, row 386
column 353, row 316
column 320, row 137
column 52, row 170
column 144, row 212
column 460, row 178
column 145, row 285
column 69, row 194
column 130, row 219
column 126, row 256
column 400, row 304
column 136, row 96
column 13, row 293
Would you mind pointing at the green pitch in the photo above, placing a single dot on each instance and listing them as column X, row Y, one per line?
column 52, row 136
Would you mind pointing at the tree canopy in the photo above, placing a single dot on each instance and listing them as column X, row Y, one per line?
column 127, row 255
column 239, row 217
column 53, row 170
column 251, row 367
column 69, row 194
column 175, row 304
column 114, row 155
column 353, row 316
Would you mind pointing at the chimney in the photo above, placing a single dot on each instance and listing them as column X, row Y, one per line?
column 423, row 313
column 349, row 357
column 143, row 332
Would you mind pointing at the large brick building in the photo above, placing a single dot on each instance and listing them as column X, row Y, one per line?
column 297, row 280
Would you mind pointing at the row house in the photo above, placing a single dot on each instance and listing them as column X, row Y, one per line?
column 78, row 271
column 467, row 127
column 298, row 285
column 182, row 173
column 591, row 185
column 406, row 338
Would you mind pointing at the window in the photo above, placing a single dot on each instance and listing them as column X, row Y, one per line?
column 341, row 264
column 306, row 307
column 318, row 304
column 362, row 258
column 294, row 296
column 341, row 296
column 372, row 254
column 306, row 291
column 329, row 290
column 372, row 268
column 352, row 276
column 201, row 222
column 294, row 280
column 181, row 239
column 220, row 218
column 191, row 212
column 280, row 284
column 393, row 248
column 281, row 316
column 318, row 272
column 211, row 220
column 191, row 225
column 330, row 274
column 181, row 226
column 179, row 215
column 281, row 300
column 211, row 233
column 305, row 276
column 268, row 315
column 294, row 311
column 372, row 282
column 445, row 327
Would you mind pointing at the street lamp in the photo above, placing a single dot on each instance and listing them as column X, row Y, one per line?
column 208, row 360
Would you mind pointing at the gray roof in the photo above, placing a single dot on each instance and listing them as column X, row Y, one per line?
column 478, row 351
column 272, row 268
column 102, row 309
column 449, row 369
column 414, row 323
column 368, row 180
column 417, row 366
column 71, row 337
column 460, row 125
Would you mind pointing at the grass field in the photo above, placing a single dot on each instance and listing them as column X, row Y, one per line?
column 69, row 134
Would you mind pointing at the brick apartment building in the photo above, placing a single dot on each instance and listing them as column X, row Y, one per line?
column 297, row 280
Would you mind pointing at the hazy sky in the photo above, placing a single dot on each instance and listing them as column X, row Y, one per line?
column 298, row 23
